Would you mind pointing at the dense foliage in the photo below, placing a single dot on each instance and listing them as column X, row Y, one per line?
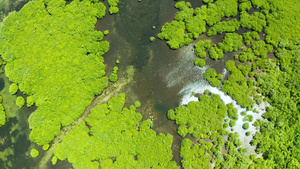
column 260, row 48
column 34, row 153
column 20, row 101
column 13, row 88
column 232, row 112
column 200, row 48
column 212, row 150
column 53, row 54
column 195, row 156
column 250, row 36
column 200, row 62
column 113, row 76
column 2, row 113
column 225, row 26
column 200, row 118
column 215, row 53
column 231, row 42
column 280, row 132
column 237, row 87
column 113, row 6
column 247, row 55
column 256, row 21
column 113, row 132
column 212, row 77
column 174, row 33
column 283, row 26
column 194, row 21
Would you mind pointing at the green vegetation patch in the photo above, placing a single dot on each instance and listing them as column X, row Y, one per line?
column 245, row 69
column 236, row 156
column 113, row 6
column 283, row 23
column 245, row 6
column 195, row 156
column 225, row 26
column 231, row 42
column 34, row 153
column 55, row 56
column 111, row 131
column 208, row 125
column 201, row 46
column 2, row 115
column 250, row 36
column 20, row 101
column 195, row 25
column 213, row 12
column 245, row 126
column 185, row 13
column 174, row 33
column 247, row 55
column 248, row 133
column 152, row 38
column 266, row 64
column 215, row 53
column 248, row 118
column 260, row 48
column 212, row 77
column 232, row 123
column 256, row 21
column 194, row 21
column 113, row 76
column 200, row 62
column 237, row 87
column 232, row 112
column 281, row 132
column 13, row 88
column 200, row 118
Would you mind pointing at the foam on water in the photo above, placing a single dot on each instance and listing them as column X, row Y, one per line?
column 199, row 87
column 183, row 70
column 191, row 78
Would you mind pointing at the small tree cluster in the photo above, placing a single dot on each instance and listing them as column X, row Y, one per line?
column 212, row 77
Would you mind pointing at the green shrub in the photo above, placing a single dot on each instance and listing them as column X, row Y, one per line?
column 211, row 76
column 232, row 112
column 232, row 123
column 113, row 77
column 20, row 101
column 200, row 62
column 34, row 153
column 248, row 133
column 13, row 88
column 245, row 126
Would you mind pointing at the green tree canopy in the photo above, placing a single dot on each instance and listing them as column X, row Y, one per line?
column 120, row 136
column 55, row 56
column 212, row 77
column 200, row 118
column 20, row 101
